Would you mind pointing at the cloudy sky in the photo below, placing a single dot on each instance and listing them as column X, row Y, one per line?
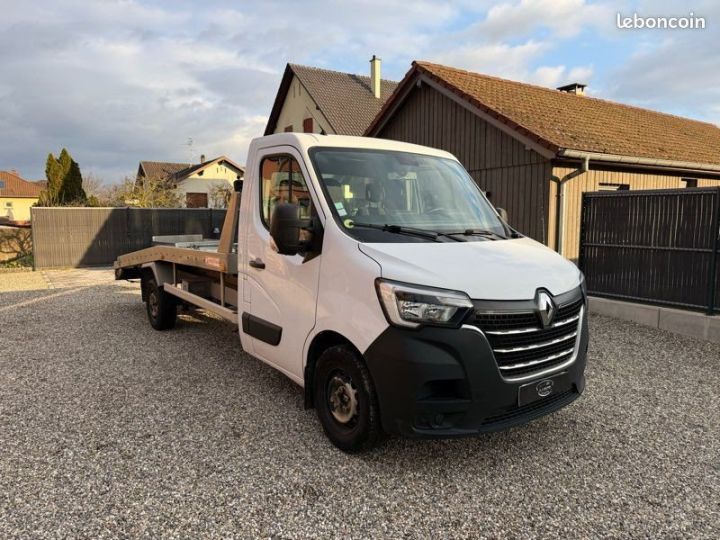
column 117, row 81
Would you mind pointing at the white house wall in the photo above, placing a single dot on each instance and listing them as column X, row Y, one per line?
column 214, row 175
column 297, row 107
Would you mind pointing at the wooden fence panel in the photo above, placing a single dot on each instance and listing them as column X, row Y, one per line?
column 659, row 246
column 75, row 237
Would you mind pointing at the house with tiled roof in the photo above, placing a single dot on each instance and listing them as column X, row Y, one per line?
column 535, row 150
column 313, row 100
column 17, row 196
column 194, row 183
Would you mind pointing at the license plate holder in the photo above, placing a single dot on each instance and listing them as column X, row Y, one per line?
column 543, row 388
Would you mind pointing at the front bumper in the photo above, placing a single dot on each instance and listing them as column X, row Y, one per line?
column 439, row 382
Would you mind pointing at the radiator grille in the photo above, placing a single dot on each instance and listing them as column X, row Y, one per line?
column 522, row 346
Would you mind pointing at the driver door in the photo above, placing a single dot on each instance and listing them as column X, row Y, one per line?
column 283, row 288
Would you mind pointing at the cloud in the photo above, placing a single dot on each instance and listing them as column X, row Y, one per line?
column 515, row 40
column 562, row 18
column 117, row 81
column 676, row 71
column 120, row 81
column 554, row 76
column 508, row 61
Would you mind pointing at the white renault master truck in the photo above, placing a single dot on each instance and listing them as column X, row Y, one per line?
column 377, row 275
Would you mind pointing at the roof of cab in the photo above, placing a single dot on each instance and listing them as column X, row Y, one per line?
column 305, row 141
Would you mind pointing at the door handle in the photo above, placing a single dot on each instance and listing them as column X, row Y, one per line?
column 257, row 263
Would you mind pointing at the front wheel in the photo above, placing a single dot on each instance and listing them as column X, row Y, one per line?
column 345, row 400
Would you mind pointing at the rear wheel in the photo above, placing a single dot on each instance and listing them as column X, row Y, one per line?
column 161, row 307
column 345, row 400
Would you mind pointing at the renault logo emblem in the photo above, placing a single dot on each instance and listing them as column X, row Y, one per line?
column 544, row 388
column 545, row 308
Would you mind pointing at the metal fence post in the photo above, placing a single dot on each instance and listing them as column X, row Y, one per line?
column 583, row 230
column 712, row 274
column 32, row 235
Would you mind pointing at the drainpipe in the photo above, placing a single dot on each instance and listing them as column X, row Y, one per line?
column 560, row 183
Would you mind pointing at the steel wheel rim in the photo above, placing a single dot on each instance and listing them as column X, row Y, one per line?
column 153, row 303
column 342, row 399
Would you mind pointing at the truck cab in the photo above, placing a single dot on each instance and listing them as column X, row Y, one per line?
column 376, row 275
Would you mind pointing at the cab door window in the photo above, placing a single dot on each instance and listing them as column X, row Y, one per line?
column 282, row 182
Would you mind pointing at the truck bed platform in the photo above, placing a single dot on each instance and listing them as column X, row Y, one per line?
column 196, row 270
column 200, row 258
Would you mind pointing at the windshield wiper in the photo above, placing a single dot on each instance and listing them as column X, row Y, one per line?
column 399, row 229
column 476, row 232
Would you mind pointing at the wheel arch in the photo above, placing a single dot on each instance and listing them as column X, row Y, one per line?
column 319, row 344
column 161, row 271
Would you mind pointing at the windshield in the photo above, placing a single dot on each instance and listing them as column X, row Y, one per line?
column 377, row 193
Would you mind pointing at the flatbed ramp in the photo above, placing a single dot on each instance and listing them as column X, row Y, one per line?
column 209, row 260
column 199, row 271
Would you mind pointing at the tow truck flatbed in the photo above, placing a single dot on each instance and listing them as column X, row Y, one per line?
column 198, row 271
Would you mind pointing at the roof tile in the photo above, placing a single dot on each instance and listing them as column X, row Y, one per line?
column 561, row 120
column 345, row 99
column 179, row 171
column 14, row 186
column 162, row 169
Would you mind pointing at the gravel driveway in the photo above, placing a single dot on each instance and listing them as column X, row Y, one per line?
column 111, row 429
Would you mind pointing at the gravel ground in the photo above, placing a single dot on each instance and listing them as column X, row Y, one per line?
column 26, row 280
column 110, row 429
column 21, row 280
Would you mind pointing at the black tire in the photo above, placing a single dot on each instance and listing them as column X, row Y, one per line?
column 161, row 307
column 339, row 371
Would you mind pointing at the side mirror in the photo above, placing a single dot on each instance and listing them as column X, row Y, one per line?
column 285, row 227
column 503, row 214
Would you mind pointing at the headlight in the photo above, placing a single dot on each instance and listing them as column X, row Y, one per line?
column 583, row 286
column 411, row 306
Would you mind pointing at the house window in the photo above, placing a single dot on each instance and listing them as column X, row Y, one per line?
column 308, row 125
column 289, row 129
column 606, row 186
column 282, row 181
column 689, row 182
column 8, row 204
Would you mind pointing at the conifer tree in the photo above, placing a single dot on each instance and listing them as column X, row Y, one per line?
column 71, row 190
column 64, row 181
column 50, row 196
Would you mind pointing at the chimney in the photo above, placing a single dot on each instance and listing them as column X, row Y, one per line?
column 375, row 76
column 573, row 88
column 202, row 158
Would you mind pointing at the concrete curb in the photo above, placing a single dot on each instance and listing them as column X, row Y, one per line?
column 15, row 270
column 686, row 323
